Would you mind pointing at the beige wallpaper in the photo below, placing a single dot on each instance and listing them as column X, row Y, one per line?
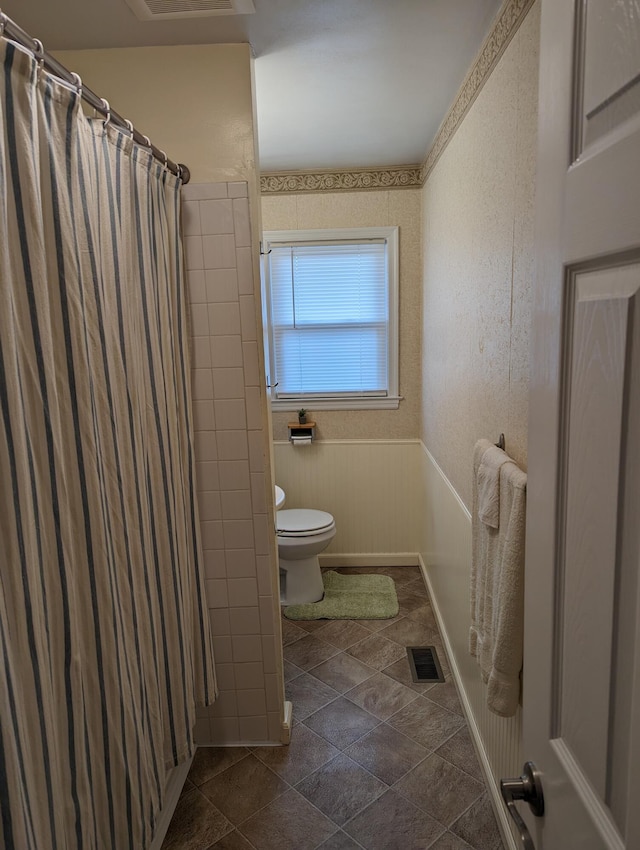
column 173, row 94
column 478, row 268
column 399, row 207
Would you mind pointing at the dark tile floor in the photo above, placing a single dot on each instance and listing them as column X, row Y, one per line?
column 376, row 761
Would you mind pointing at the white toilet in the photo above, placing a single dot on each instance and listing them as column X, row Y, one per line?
column 302, row 535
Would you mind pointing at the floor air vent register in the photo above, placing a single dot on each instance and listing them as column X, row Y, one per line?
column 424, row 663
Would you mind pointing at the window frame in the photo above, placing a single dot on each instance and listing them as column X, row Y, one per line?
column 330, row 236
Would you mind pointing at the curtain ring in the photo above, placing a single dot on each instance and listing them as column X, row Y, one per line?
column 107, row 109
column 78, row 82
column 165, row 159
column 38, row 54
column 129, row 126
column 3, row 22
column 147, row 140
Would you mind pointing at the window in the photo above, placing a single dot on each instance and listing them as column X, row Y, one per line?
column 332, row 328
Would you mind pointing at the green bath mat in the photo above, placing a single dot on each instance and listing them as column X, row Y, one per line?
column 350, row 597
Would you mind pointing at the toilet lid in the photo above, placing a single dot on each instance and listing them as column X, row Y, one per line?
column 301, row 520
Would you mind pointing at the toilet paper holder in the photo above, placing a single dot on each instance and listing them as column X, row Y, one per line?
column 302, row 432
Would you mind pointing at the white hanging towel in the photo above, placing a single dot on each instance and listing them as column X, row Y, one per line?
column 488, row 484
column 497, row 582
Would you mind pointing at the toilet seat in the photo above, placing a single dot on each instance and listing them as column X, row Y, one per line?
column 303, row 522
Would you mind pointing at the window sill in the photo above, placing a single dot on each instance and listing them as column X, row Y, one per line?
column 388, row 403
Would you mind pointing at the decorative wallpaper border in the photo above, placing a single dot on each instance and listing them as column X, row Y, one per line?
column 411, row 176
column 512, row 15
column 397, row 177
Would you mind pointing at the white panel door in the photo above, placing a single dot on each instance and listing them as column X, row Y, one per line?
column 582, row 637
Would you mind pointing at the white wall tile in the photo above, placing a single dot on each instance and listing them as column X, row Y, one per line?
column 256, row 451
column 254, row 729
column 246, row 648
column 251, row 703
column 232, row 445
column 201, row 352
column 201, row 731
column 250, row 361
column 203, row 191
column 205, row 442
column 226, row 351
column 236, row 504
column 225, row 675
column 265, row 604
column 241, row 221
column 206, row 475
column 191, row 218
column 193, row 252
column 274, row 721
column 238, row 189
column 230, row 414
column 203, row 419
column 258, row 493
column 234, row 474
column 248, row 318
column 221, row 285
column 216, row 591
column 249, row 675
column 241, row 563
column 244, row 265
column 225, row 379
column 243, row 593
column 199, row 321
column 262, row 531
column 225, row 730
column 272, row 691
column 223, row 650
column 212, row 534
column 216, row 217
column 224, row 318
column 196, row 291
column 263, row 569
column 226, row 705
column 253, row 405
column 209, row 507
column 202, row 384
column 238, row 534
column 219, row 252
column 215, row 563
column 220, row 624
column 244, row 621
column 269, row 653
column 228, row 383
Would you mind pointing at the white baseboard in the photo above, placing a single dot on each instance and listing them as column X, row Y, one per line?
column 370, row 559
column 175, row 783
column 491, row 782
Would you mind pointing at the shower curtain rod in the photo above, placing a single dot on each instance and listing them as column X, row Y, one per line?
column 16, row 33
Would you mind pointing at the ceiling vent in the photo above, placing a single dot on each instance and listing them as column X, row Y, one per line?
column 164, row 10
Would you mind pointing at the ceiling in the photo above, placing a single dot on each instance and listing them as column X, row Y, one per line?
column 340, row 84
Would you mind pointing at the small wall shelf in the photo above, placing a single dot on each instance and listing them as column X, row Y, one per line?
column 306, row 430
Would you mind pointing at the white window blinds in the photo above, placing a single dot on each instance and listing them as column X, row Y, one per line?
column 330, row 318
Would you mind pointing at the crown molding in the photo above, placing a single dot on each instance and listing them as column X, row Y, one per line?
column 506, row 25
column 358, row 179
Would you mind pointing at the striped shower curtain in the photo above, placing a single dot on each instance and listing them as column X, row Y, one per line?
column 104, row 638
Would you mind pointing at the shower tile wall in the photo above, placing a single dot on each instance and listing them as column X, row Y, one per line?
column 231, row 444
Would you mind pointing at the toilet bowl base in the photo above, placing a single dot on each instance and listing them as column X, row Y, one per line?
column 302, row 581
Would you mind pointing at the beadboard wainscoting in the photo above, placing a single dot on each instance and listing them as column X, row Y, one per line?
column 446, row 563
column 369, row 486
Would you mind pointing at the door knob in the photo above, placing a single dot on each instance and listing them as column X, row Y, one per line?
column 527, row 787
